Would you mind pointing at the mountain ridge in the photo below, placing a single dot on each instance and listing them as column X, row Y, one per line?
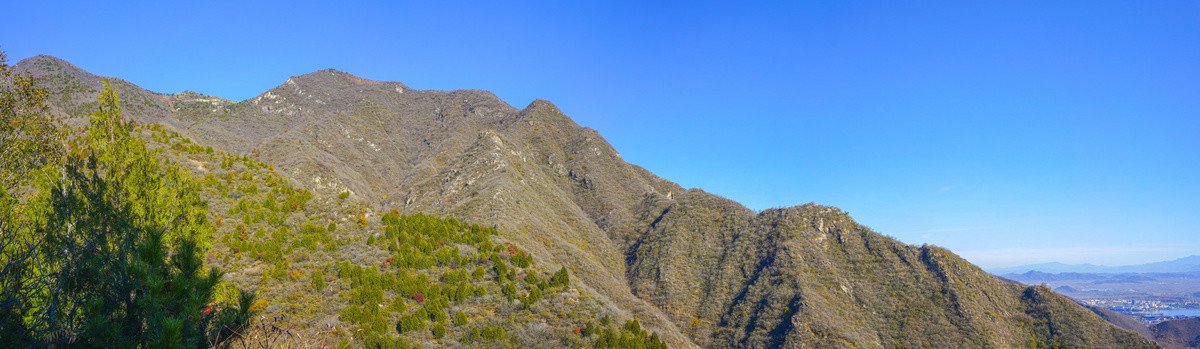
column 699, row 269
column 1178, row 265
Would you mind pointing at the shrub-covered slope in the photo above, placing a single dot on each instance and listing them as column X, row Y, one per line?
column 1181, row 333
column 696, row 268
column 331, row 272
column 1123, row 321
column 810, row 276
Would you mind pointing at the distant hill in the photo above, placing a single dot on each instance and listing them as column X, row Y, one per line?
column 1178, row 333
column 1181, row 265
column 1064, row 289
column 695, row 268
column 1171, row 334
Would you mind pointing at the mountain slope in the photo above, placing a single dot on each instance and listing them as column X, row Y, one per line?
column 1123, row 321
column 809, row 275
column 1184, row 333
column 696, row 268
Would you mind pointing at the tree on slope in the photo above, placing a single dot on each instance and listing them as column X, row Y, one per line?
column 30, row 140
column 120, row 243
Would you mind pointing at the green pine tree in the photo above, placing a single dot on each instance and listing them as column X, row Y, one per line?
column 122, row 237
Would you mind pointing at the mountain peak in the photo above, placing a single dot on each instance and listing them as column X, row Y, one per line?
column 47, row 65
column 334, row 75
column 544, row 111
column 542, row 105
column 333, row 79
column 328, row 85
column 48, row 59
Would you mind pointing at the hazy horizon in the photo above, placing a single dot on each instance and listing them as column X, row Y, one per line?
column 1090, row 264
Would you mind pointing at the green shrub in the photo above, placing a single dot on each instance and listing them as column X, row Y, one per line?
column 493, row 333
column 509, row 290
column 499, row 267
column 318, row 280
column 397, row 305
column 561, row 278
column 412, row 322
column 522, row 259
column 269, row 203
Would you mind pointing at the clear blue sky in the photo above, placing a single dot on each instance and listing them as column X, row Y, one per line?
column 1011, row 132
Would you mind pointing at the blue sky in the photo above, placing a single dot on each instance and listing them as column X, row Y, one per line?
column 1011, row 132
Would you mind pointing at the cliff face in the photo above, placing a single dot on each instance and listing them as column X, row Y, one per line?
column 697, row 268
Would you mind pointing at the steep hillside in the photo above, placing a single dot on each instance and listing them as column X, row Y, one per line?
column 809, row 275
column 1123, row 321
column 696, row 268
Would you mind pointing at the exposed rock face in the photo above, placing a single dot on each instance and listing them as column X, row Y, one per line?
column 697, row 268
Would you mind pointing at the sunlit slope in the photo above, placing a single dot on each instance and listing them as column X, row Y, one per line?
column 696, row 268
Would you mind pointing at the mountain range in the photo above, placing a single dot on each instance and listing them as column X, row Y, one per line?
column 697, row 269
column 1181, row 265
